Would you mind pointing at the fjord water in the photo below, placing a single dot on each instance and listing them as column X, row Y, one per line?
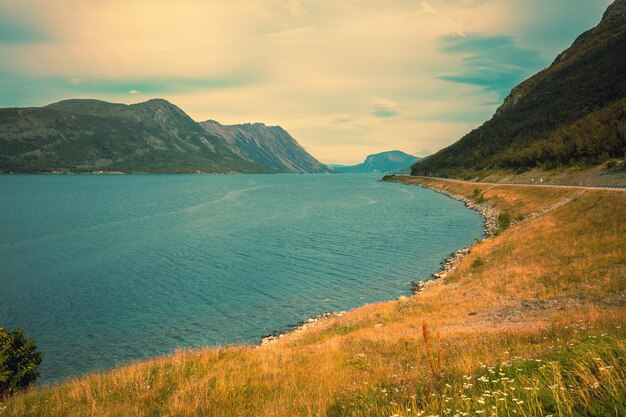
column 104, row 269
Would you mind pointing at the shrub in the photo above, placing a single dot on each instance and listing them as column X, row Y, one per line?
column 504, row 221
column 477, row 196
column 615, row 163
column 478, row 262
column 18, row 361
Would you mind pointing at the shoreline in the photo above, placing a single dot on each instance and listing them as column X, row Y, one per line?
column 448, row 265
column 279, row 334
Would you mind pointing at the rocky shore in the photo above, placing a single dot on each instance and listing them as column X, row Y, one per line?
column 450, row 264
column 272, row 337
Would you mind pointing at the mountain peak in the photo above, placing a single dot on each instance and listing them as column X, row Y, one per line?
column 388, row 153
column 616, row 9
column 86, row 106
column 212, row 122
column 256, row 125
column 72, row 101
column 159, row 101
column 156, row 103
column 388, row 161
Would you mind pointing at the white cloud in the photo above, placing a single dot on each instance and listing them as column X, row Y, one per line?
column 426, row 7
column 134, row 92
column 297, row 10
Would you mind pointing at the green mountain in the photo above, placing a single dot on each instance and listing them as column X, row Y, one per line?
column 570, row 114
column 390, row 161
column 90, row 135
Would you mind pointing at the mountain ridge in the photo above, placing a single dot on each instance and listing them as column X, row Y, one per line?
column 271, row 146
column 388, row 161
column 87, row 135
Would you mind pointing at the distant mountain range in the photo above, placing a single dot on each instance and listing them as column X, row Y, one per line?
column 390, row 161
column 572, row 114
column 155, row 136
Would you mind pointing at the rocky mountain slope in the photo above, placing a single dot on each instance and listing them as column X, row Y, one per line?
column 390, row 161
column 570, row 114
column 88, row 135
column 270, row 146
column 154, row 136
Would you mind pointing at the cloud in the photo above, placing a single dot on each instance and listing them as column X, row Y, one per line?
column 426, row 7
column 297, row 10
column 317, row 68
column 495, row 63
column 22, row 89
column 384, row 109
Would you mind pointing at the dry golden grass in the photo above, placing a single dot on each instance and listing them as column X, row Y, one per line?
column 539, row 284
column 517, row 200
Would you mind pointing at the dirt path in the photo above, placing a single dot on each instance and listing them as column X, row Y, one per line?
column 621, row 189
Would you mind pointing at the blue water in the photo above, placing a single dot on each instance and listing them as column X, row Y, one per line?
column 102, row 270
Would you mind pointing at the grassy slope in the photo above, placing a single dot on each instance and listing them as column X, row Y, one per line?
column 601, row 175
column 551, row 289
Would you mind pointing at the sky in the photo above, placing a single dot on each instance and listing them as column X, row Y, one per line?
column 346, row 78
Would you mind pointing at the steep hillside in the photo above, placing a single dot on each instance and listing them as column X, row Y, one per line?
column 89, row 135
column 390, row 161
column 270, row 146
column 570, row 114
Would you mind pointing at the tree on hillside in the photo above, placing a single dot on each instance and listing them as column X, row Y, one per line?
column 18, row 361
